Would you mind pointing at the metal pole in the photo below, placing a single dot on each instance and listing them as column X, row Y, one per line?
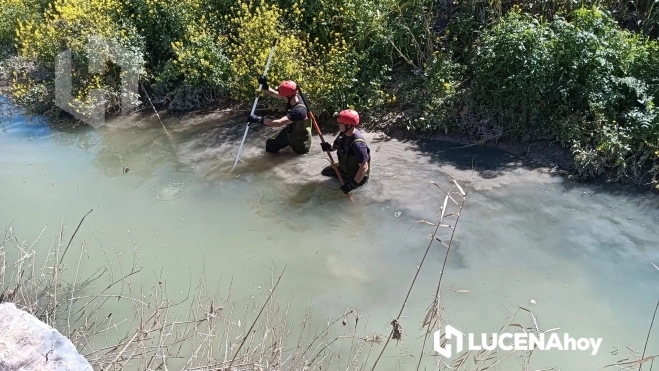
column 267, row 65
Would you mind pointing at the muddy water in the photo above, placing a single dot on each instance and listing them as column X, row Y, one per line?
column 576, row 255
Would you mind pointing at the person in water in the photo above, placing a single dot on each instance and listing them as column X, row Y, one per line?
column 352, row 150
column 297, row 131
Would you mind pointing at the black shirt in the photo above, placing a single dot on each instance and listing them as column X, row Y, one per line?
column 297, row 112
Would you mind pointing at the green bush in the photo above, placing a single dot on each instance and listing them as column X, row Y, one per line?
column 199, row 73
column 511, row 75
column 586, row 83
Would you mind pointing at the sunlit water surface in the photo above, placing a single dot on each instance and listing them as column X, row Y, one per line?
column 580, row 252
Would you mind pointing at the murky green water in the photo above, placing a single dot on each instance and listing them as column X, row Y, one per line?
column 578, row 251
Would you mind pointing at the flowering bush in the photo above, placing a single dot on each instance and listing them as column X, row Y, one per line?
column 74, row 25
column 325, row 72
column 200, row 70
column 11, row 13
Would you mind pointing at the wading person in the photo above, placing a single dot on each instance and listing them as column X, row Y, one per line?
column 352, row 150
column 297, row 131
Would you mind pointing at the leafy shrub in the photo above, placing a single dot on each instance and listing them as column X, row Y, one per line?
column 326, row 73
column 11, row 13
column 75, row 25
column 511, row 78
column 586, row 83
column 200, row 70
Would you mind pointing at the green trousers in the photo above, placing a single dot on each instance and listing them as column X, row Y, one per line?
column 299, row 141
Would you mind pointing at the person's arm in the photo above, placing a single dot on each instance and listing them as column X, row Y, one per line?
column 363, row 168
column 326, row 146
column 361, row 154
column 273, row 93
column 336, row 144
column 266, row 88
column 276, row 123
column 288, row 119
column 295, row 114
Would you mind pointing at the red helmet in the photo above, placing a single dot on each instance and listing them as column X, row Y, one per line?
column 287, row 88
column 348, row 117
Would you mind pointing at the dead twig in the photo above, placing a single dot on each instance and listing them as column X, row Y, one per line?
column 73, row 236
column 649, row 331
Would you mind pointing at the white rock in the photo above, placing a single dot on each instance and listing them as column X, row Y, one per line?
column 29, row 344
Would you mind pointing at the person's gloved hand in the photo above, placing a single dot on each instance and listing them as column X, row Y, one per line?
column 264, row 82
column 348, row 185
column 253, row 119
column 325, row 146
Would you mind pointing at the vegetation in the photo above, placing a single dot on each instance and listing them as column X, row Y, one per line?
column 581, row 73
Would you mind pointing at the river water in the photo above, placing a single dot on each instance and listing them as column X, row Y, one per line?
column 574, row 254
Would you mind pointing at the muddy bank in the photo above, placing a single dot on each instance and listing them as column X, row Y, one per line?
column 542, row 153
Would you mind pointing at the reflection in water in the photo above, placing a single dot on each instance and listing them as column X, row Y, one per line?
column 578, row 250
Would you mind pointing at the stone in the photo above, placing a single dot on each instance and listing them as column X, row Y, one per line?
column 29, row 344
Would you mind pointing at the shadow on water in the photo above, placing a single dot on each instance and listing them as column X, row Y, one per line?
column 205, row 142
column 487, row 162
column 490, row 163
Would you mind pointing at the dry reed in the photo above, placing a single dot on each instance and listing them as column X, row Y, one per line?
column 218, row 333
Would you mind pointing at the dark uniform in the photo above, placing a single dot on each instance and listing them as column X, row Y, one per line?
column 351, row 151
column 297, row 134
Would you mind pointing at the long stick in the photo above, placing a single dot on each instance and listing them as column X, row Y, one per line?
column 648, row 338
column 256, row 99
column 315, row 125
column 154, row 110
column 257, row 318
column 73, row 236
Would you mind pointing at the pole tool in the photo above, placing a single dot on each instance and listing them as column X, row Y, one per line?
column 256, row 100
column 315, row 125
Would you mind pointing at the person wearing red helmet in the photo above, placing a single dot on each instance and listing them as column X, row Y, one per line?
column 297, row 131
column 352, row 150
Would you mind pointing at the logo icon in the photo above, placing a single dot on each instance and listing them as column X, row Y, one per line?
column 99, row 51
column 451, row 332
column 511, row 342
